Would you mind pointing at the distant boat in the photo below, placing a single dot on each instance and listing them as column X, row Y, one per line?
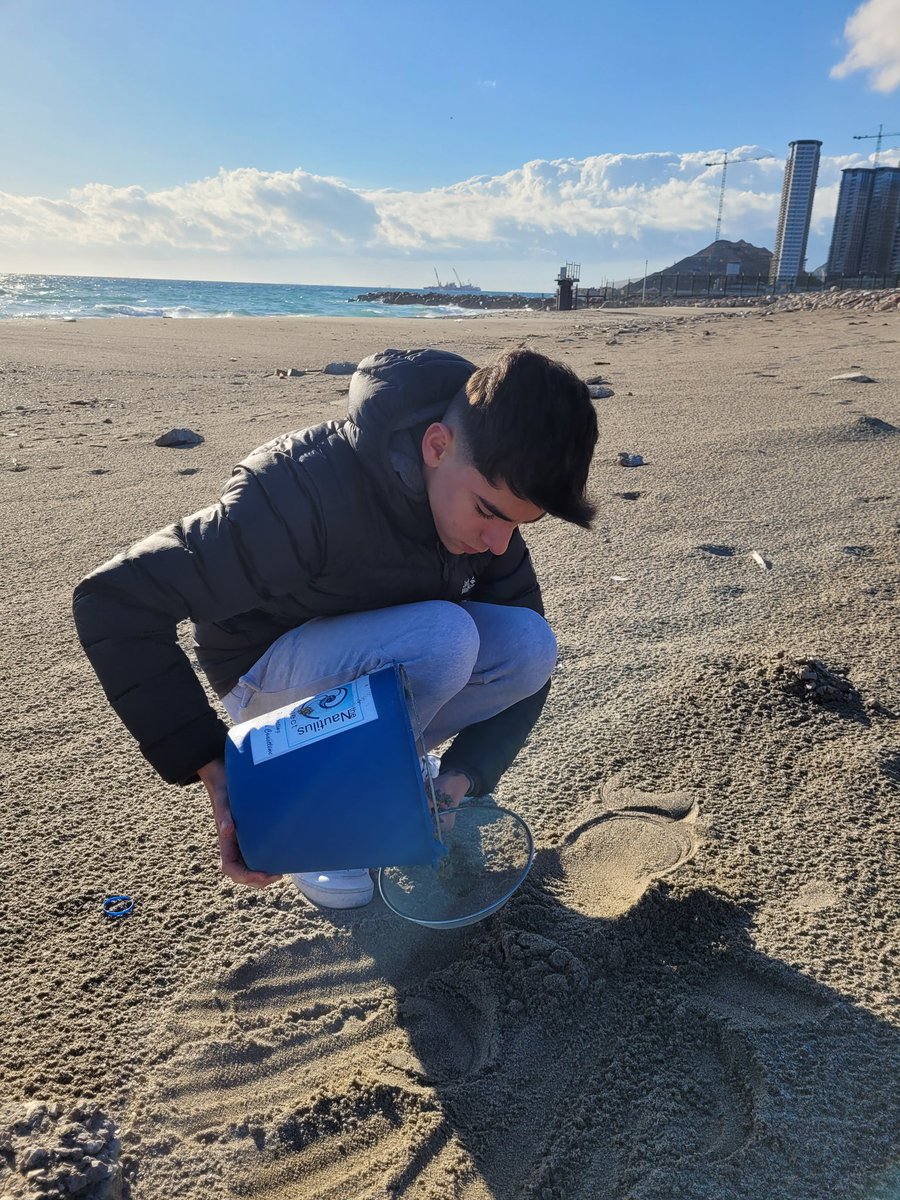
column 450, row 287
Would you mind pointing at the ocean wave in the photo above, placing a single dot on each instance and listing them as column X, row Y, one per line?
column 460, row 314
column 178, row 312
column 125, row 310
column 184, row 312
column 52, row 314
column 408, row 312
column 60, row 297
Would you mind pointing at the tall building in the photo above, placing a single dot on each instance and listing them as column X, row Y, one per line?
column 850, row 221
column 798, row 189
column 866, row 235
column 881, row 247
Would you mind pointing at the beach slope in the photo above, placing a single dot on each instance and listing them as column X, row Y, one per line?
column 693, row 995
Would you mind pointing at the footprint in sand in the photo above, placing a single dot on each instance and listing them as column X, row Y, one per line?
column 746, row 998
column 451, row 1024
column 737, row 1004
column 813, row 897
column 609, row 861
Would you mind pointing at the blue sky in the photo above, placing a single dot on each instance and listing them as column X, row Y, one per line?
column 353, row 142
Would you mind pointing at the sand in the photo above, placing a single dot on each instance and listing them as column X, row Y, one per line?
column 693, row 995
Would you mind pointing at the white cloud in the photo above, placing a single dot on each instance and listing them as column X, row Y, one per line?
column 609, row 212
column 873, row 32
column 606, row 196
column 240, row 211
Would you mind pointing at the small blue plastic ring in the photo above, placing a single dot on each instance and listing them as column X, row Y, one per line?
column 118, row 906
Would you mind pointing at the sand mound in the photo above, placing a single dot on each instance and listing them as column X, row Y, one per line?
column 865, row 429
column 795, row 443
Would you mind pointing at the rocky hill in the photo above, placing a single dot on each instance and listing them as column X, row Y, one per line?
column 714, row 259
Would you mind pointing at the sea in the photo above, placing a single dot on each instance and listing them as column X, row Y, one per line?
column 68, row 297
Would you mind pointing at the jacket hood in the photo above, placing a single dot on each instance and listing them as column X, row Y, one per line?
column 394, row 396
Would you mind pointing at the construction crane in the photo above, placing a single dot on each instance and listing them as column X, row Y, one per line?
column 879, row 136
column 723, row 163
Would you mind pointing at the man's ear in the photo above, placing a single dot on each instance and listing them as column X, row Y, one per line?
column 436, row 443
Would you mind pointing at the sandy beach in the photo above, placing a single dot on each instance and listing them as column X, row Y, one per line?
column 694, row 995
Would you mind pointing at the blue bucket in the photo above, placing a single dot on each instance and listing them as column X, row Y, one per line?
column 333, row 781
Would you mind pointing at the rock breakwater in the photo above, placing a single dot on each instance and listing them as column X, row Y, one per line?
column 461, row 300
column 880, row 300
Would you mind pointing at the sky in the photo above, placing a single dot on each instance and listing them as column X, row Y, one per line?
column 372, row 142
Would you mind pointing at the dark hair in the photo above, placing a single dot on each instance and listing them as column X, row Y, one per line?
column 528, row 422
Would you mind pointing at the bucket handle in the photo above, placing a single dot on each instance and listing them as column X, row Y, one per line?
column 419, row 738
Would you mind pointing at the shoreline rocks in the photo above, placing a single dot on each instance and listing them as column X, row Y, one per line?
column 871, row 300
column 463, row 300
column 880, row 300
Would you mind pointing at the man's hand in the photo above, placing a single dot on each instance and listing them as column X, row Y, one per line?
column 213, row 777
column 449, row 790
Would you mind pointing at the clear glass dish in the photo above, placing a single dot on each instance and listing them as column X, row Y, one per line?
column 489, row 854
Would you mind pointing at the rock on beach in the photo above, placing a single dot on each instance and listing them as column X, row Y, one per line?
column 179, row 437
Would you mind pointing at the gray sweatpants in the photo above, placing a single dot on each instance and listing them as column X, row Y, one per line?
column 465, row 662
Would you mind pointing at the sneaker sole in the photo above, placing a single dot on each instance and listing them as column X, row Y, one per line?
column 335, row 898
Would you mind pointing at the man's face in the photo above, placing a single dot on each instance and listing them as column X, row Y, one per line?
column 470, row 514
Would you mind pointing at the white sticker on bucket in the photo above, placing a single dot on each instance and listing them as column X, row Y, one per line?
column 312, row 720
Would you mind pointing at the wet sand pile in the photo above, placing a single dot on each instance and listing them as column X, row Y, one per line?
column 694, row 993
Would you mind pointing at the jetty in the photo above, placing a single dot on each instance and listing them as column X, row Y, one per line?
column 458, row 300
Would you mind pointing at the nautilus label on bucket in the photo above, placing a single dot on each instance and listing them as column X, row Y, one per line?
column 312, row 719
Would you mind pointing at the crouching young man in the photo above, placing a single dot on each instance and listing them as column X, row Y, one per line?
column 390, row 536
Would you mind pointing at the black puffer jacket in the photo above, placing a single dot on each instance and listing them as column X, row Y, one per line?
column 332, row 519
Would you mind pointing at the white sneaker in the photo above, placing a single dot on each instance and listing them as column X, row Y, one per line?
column 336, row 889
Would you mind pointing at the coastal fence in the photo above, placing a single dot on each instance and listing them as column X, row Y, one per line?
column 668, row 288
